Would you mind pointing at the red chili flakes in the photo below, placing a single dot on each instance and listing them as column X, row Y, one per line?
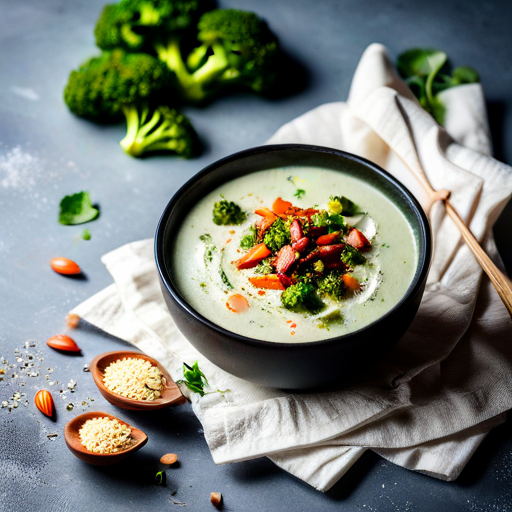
column 261, row 292
column 293, row 326
column 232, row 232
column 288, row 321
column 229, row 240
column 292, row 333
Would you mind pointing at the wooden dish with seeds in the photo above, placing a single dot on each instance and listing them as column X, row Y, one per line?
column 169, row 394
column 137, row 439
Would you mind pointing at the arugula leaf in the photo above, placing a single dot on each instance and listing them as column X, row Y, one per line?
column 195, row 379
column 421, row 69
column 77, row 209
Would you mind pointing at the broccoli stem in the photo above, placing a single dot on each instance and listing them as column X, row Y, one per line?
column 194, row 86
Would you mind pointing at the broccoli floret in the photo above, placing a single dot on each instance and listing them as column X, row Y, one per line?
column 264, row 267
column 237, row 48
column 301, row 297
column 117, row 83
column 331, row 285
column 340, row 204
column 250, row 239
column 333, row 222
column 161, row 129
column 352, row 256
column 277, row 236
column 142, row 25
column 227, row 213
column 102, row 86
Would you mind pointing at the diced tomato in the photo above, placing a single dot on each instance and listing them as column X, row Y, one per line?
column 285, row 259
column 327, row 239
column 356, row 239
column 295, row 230
column 286, row 281
column 300, row 245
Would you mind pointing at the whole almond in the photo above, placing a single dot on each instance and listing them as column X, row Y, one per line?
column 169, row 458
column 63, row 342
column 216, row 498
column 64, row 266
column 44, row 402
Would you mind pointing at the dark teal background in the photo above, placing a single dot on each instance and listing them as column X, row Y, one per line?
column 40, row 42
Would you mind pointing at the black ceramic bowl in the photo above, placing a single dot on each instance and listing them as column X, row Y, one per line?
column 290, row 365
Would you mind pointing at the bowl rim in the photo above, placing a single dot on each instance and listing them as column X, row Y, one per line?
column 424, row 259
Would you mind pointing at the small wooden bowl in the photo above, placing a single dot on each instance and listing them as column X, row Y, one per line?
column 171, row 395
column 72, row 439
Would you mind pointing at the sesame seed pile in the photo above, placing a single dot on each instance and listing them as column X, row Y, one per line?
column 105, row 435
column 134, row 378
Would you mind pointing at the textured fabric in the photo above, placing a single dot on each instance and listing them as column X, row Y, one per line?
column 429, row 403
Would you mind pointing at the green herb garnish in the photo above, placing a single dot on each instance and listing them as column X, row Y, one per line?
column 264, row 267
column 227, row 213
column 209, row 248
column 277, row 235
column 352, row 256
column 86, row 235
column 195, row 379
column 421, row 69
column 300, row 193
column 250, row 239
column 333, row 222
column 160, row 478
column 77, row 209
column 341, row 204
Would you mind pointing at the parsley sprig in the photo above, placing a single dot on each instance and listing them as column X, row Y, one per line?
column 196, row 380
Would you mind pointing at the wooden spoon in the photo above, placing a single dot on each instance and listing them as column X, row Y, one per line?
column 76, row 447
column 171, row 395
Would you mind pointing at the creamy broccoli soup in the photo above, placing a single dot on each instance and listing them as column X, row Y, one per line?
column 294, row 254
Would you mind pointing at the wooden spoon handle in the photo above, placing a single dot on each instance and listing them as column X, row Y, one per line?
column 498, row 278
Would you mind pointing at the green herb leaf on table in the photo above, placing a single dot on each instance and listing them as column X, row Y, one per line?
column 77, row 209
column 160, row 478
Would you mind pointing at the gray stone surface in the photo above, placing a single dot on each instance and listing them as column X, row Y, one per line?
column 46, row 153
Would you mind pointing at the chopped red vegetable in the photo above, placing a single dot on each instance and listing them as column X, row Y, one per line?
column 356, row 239
column 295, row 231
column 253, row 256
column 300, row 245
column 269, row 282
column 285, row 259
column 281, row 206
column 327, row 239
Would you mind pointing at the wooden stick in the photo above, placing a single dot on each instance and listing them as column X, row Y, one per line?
column 498, row 278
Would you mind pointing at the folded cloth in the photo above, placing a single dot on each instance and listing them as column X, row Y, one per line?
column 431, row 400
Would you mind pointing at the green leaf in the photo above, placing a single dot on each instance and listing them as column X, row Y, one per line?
column 160, row 478
column 77, row 209
column 465, row 75
column 195, row 380
column 86, row 235
column 299, row 193
column 420, row 62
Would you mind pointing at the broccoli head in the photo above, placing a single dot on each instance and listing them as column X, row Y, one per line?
column 332, row 285
column 237, row 48
column 138, row 25
column 104, row 85
column 277, row 236
column 301, row 297
column 227, row 213
column 333, row 222
column 352, row 256
column 117, row 83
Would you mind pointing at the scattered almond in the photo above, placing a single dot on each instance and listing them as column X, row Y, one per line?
column 169, row 458
column 44, row 402
column 63, row 342
column 64, row 266
column 72, row 320
column 216, row 498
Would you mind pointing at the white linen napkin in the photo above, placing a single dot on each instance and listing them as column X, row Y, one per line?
column 431, row 400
